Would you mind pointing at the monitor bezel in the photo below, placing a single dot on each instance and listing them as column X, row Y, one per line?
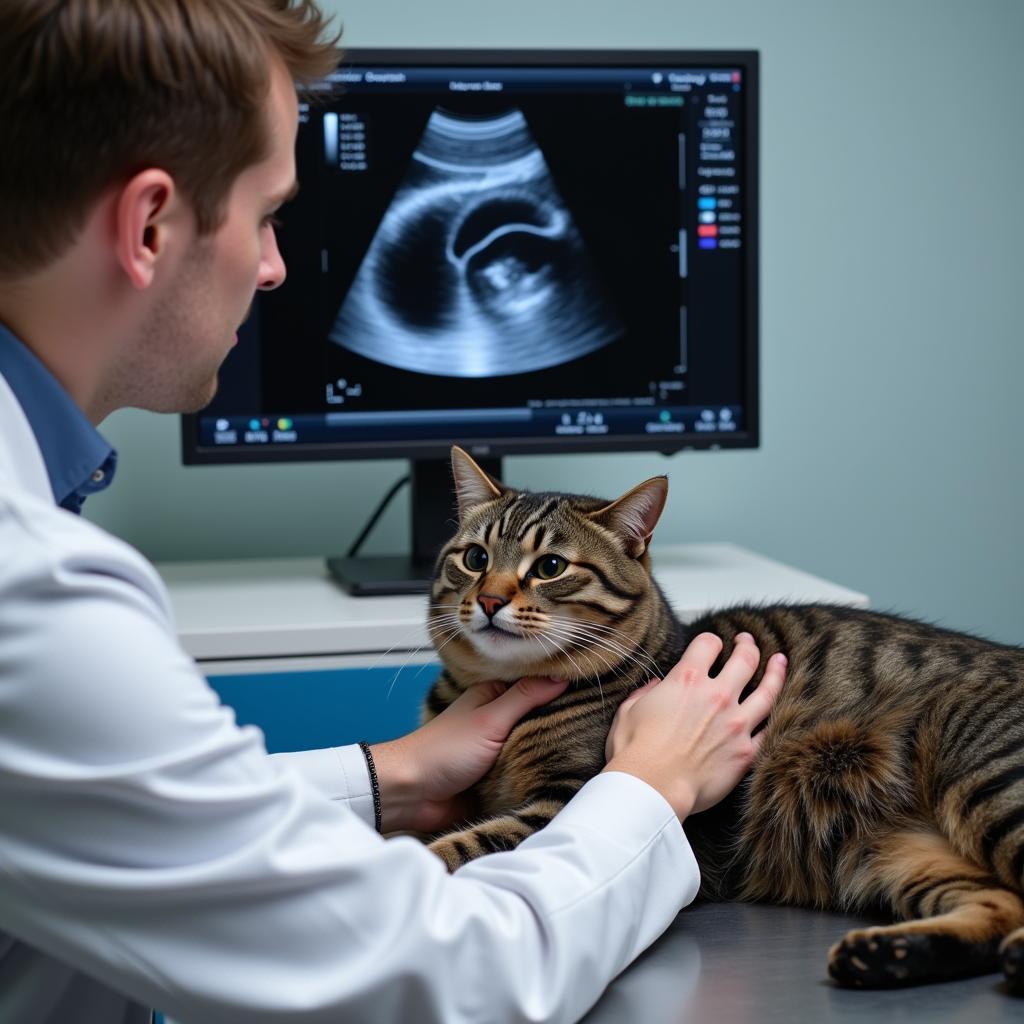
column 750, row 437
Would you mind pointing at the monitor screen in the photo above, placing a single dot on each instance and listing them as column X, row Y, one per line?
column 516, row 252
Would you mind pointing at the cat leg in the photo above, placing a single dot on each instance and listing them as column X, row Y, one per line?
column 1012, row 954
column 502, row 832
column 955, row 914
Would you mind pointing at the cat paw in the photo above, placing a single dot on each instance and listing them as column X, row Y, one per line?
column 875, row 959
column 890, row 957
column 1012, row 954
column 453, row 854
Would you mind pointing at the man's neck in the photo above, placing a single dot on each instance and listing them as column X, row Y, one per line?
column 69, row 319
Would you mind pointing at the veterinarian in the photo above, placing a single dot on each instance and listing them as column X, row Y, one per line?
column 151, row 853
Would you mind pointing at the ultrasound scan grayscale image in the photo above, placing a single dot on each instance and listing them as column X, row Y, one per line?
column 477, row 268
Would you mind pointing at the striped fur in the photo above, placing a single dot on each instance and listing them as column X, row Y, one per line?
column 891, row 776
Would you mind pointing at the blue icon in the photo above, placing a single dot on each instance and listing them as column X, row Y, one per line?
column 254, row 424
column 707, row 243
column 707, row 203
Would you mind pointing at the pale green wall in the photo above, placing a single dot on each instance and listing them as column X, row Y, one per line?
column 892, row 280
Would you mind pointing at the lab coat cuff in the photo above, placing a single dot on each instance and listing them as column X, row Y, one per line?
column 339, row 773
column 629, row 812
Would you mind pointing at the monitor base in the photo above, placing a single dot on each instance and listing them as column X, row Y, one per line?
column 374, row 576
column 433, row 519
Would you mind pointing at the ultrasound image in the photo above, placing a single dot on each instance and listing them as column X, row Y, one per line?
column 477, row 268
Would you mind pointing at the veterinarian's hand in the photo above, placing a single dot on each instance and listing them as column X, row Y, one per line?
column 687, row 735
column 424, row 775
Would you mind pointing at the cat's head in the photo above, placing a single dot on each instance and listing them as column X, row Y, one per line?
column 542, row 583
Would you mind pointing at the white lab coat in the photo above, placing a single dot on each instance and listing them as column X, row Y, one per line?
column 153, row 854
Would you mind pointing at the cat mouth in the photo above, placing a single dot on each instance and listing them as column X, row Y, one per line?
column 491, row 630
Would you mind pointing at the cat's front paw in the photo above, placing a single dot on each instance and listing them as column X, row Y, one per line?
column 873, row 959
column 451, row 851
column 895, row 955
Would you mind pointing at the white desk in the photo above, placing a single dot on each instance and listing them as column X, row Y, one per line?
column 281, row 615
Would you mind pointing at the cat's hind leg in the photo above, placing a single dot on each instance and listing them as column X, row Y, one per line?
column 954, row 914
column 492, row 835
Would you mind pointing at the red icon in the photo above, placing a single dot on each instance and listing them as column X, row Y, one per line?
column 707, row 230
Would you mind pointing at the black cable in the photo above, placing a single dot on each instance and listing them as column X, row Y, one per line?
column 378, row 512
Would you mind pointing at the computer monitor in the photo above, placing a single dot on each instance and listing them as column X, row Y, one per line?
column 515, row 251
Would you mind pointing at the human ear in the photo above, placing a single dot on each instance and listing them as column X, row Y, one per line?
column 144, row 223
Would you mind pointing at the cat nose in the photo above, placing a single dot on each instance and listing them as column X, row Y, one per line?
column 490, row 604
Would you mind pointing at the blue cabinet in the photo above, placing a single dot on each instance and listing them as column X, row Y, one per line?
column 328, row 707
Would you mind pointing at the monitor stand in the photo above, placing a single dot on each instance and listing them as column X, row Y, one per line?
column 433, row 520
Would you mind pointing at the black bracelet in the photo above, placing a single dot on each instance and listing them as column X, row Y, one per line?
column 374, row 784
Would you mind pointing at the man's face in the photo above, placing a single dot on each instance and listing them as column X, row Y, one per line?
column 193, row 323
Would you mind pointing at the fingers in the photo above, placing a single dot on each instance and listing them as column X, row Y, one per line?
column 698, row 658
column 742, row 663
column 705, row 648
column 639, row 692
column 479, row 694
column 762, row 700
column 523, row 696
column 739, row 669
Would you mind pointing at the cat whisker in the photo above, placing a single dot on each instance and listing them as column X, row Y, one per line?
column 443, row 619
column 586, row 628
column 398, row 644
column 578, row 634
column 437, row 648
column 579, row 621
column 545, row 642
column 561, row 650
column 410, row 653
column 608, row 632
column 609, row 666
column 447, row 640
column 445, row 622
column 617, row 668
column 575, row 664
column 636, row 656
column 405, row 665
column 541, row 643
column 595, row 649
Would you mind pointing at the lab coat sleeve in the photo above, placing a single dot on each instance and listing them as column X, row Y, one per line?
column 151, row 842
column 339, row 773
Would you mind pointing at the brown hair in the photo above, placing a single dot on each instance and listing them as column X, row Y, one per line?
column 93, row 91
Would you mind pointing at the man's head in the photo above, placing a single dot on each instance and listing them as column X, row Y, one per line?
column 194, row 289
column 146, row 145
column 92, row 91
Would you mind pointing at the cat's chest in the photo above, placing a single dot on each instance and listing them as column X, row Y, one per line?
column 523, row 766
column 501, row 789
column 544, row 755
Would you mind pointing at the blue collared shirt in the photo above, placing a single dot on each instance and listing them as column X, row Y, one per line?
column 78, row 461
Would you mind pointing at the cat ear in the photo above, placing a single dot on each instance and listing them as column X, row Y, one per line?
column 472, row 485
column 633, row 517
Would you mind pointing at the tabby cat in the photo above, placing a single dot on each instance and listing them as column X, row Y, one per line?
column 891, row 775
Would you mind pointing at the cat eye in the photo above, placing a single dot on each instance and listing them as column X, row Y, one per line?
column 475, row 558
column 550, row 566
